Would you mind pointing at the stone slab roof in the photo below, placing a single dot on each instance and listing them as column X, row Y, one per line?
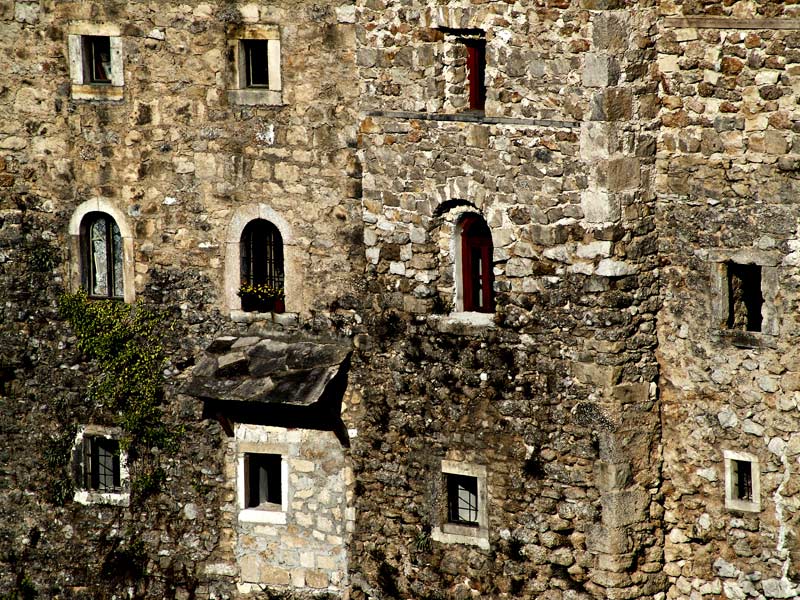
column 280, row 368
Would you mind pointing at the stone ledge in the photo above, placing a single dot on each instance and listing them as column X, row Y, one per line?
column 731, row 23
column 472, row 117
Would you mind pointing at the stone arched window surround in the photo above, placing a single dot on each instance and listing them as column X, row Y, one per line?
column 241, row 217
column 105, row 206
column 450, row 229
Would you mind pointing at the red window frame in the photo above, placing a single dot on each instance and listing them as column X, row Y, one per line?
column 476, row 71
column 476, row 265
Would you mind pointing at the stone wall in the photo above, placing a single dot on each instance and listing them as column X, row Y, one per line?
column 727, row 183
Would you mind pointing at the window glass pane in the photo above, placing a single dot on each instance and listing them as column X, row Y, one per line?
column 97, row 58
column 116, row 249
column 105, row 467
column 462, row 498
column 99, row 259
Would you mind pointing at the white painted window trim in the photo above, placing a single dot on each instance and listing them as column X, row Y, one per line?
column 453, row 533
column 82, row 90
column 84, row 496
column 102, row 205
column 292, row 283
column 239, row 93
column 268, row 513
column 731, row 502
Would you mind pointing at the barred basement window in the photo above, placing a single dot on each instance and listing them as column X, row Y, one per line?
column 462, row 499
column 745, row 298
column 101, row 464
column 263, row 480
column 96, row 59
column 100, row 469
column 742, row 484
column 101, row 256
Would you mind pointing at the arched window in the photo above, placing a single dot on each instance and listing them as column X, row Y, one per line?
column 101, row 256
column 476, row 265
column 261, row 252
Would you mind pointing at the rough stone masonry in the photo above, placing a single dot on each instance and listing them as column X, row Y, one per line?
column 619, row 422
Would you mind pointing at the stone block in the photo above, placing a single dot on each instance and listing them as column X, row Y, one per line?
column 600, row 70
column 606, row 540
column 619, row 174
column 274, row 575
column 316, row 579
column 624, row 508
column 611, row 104
column 600, row 207
column 250, row 566
column 602, row 4
column 611, row 476
column 610, row 30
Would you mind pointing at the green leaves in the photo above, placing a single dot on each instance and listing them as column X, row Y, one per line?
column 125, row 340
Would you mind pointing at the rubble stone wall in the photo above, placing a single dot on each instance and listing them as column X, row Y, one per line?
column 727, row 188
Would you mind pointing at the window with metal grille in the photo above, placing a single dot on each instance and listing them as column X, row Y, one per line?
column 462, row 499
column 96, row 59
column 101, row 464
column 261, row 255
column 476, row 265
column 101, row 261
column 745, row 298
column 256, row 63
column 262, row 479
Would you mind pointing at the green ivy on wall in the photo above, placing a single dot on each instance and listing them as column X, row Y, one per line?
column 125, row 340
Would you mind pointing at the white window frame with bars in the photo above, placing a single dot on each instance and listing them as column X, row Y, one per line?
column 242, row 40
column 80, row 45
column 264, row 511
column 735, row 480
column 84, row 457
column 463, row 484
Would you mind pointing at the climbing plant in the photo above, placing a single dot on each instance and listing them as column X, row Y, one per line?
column 125, row 340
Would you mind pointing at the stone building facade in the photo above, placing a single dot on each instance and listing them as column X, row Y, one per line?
column 533, row 333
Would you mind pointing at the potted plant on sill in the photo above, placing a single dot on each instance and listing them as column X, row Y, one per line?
column 261, row 297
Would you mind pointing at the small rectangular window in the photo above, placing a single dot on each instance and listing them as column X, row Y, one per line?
column 745, row 298
column 743, row 480
column 263, row 479
column 101, row 464
column 256, row 62
column 96, row 59
column 742, row 485
column 462, row 499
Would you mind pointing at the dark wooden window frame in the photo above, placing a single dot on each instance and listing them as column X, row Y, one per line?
column 262, row 260
column 114, row 255
column 476, row 265
column 94, row 48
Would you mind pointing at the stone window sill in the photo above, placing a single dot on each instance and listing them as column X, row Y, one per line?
column 97, row 92
column 267, row 514
column 255, row 97
column 91, row 497
column 240, row 316
column 746, row 339
column 451, row 533
column 462, row 322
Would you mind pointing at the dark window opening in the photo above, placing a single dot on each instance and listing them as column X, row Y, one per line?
column 256, row 65
column 101, row 463
column 262, row 267
column 96, row 59
column 744, row 297
column 476, row 265
column 263, row 476
column 476, row 72
column 743, row 480
column 462, row 499
column 101, row 257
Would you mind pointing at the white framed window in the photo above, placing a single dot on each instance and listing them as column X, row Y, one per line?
column 262, row 483
column 742, row 481
column 95, row 61
column 464, row 517
column 100, row 467
column 255, row 54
